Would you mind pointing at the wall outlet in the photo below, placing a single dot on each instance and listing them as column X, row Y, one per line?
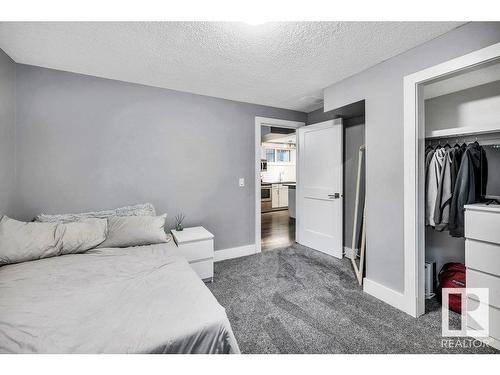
column 241, row 182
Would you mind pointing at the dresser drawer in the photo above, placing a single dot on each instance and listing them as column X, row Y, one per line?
column 204, row 269
column 482, row 225
column 482, row 256
column 198, row 250
column 494, row 314
column 482, row 280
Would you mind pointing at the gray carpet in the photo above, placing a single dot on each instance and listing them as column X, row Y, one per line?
column 297, row 300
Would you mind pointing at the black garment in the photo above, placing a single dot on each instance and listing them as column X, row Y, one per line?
column 455, row 166
column 467, row 187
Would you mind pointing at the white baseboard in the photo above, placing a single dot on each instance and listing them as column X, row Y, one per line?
column 385, row 294
column 234, row 252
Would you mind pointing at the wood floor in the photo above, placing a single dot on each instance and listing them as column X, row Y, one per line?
column 277, row 230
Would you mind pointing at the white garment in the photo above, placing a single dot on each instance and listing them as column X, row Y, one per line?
column 433, row 179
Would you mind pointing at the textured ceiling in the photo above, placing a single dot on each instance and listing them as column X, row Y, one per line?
column 277, row 64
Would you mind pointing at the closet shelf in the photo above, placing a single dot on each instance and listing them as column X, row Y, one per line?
column 464, row 131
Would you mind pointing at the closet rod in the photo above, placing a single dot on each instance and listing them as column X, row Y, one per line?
column 481, row 139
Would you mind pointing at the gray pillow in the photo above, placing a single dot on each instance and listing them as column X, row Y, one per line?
column 146, row 209
column 21, row 242
column 125, row 231
column 83, row 235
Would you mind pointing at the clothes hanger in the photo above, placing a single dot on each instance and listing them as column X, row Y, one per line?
column 429, row 146
column 464, row 145
column 446, row 144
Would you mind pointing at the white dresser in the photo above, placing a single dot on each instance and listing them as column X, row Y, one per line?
column 482, row 259
column 197, row 246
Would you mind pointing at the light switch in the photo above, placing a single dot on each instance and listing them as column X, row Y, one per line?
column 242, row 182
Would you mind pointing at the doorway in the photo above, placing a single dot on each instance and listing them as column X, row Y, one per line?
column 305, row 202
column 276, row 155
column 416, row 132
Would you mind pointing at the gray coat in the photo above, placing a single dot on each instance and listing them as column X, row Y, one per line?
column 444, row 192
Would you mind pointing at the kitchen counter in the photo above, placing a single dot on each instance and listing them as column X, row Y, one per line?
column 291, row 185
column 278, row 182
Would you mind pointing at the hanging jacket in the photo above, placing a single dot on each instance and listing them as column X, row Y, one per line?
column 455, row 165
column 444, row 193
column 428, row 157
column 467, row 187
column 433, row 177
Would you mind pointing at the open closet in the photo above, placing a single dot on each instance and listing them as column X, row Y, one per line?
column 462, row 167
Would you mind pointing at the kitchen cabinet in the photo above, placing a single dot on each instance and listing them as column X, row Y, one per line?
column 275, row 195
column 279, row 196
column 283, row 196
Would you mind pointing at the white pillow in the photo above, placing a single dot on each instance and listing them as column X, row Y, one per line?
column 21, row 242
column 83, row 235
column 146, row 209
column 125, row 231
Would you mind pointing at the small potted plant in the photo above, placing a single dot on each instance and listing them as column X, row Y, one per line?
column 178, row 222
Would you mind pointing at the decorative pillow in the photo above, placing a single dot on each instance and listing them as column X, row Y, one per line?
column 125, row 231
column 146, row 209
column 83, row 235
column 21, row 242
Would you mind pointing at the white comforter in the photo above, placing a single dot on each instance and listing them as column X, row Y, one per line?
column 143, row 299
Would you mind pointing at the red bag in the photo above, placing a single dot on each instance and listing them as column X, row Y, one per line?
column 452, row 275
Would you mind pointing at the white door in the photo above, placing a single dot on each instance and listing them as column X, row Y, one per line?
column 319, row 187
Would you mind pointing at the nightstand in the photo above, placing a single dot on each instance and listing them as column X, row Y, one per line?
column 197, row 246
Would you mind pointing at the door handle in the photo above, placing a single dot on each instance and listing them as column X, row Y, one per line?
column 334, row 196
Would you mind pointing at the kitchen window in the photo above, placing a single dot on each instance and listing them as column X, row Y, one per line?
column 278, row 155
column 270, row 155
column 283, row 156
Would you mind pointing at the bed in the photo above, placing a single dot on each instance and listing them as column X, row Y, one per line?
column 143, row 299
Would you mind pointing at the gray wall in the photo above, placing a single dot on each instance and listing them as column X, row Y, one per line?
column 320, row 115
column 476, row 106
column 351, row 112
column 86, row 143
column 382, row 88
column 7, row 133
column 354, row 136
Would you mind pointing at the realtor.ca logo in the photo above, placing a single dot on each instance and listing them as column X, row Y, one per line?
column 474, row 320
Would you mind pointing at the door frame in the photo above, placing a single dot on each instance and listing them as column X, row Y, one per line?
column 278, row 123
column 414, row 189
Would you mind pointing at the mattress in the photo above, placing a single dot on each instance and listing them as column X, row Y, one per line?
column 144, row 299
